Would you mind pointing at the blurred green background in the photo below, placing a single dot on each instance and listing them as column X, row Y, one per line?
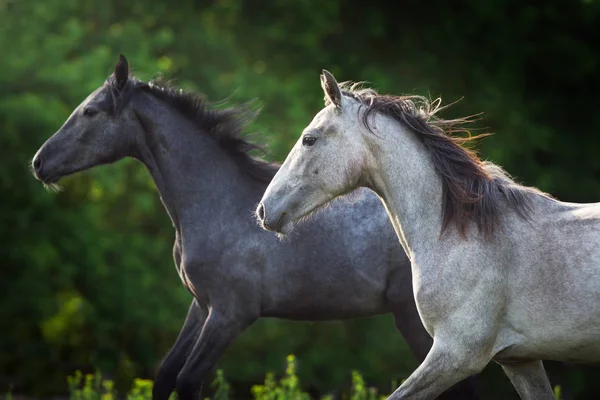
column 87, row 279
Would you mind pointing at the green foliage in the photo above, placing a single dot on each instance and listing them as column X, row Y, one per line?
column 287, row 388
column 87, row 279
column 360, row 391
column 94, row 387
column 220, row 386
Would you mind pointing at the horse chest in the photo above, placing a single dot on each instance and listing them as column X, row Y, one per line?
column 436, row 296
column 191, row 284
column 183, row 274
column 430, row 303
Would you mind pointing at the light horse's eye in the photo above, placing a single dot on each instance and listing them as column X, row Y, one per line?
column 308, row 140
column 90, row 111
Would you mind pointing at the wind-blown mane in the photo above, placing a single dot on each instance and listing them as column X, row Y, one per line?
column 226, row 125
column 473, row 190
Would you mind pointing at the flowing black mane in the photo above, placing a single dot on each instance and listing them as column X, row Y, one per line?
column 473, row 190
column 226, row 125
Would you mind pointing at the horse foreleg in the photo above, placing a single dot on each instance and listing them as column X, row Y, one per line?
column 410, row 326
column 166, row 375
column 530, row 380
column 219, row 331
column 444, row 366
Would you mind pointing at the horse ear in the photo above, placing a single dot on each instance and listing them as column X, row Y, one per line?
column 331, row 88
column 121, row 71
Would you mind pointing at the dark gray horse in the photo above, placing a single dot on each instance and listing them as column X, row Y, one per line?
column 333, row 268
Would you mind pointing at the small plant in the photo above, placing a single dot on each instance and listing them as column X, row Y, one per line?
column 557, row 392
column 221, row 387
column 88, row 387
column 94, row 387
column 360, row 392
column 141, row 390
column 288, row 388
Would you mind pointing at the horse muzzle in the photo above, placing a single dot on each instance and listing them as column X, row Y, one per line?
column 271, row 221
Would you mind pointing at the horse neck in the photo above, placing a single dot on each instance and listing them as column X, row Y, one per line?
column 199, row 184
column 402, row 174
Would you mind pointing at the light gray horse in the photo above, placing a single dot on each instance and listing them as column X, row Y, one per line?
column 500, row 271
column 332, row 269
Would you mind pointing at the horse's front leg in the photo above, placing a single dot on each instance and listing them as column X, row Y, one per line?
column 220, row 329
column 410, row 326
column 446, row 364
column 530, row 380
column 166, row 375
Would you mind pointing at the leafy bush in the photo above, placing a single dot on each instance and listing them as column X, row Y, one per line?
column 94, row 387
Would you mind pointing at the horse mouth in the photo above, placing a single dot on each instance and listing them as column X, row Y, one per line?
column 52, row 180
column 277, row 227
column 47, row 180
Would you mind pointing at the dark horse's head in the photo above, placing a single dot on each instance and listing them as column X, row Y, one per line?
column 97, row 132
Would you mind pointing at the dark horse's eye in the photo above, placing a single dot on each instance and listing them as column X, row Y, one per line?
column 308, row 140
column 89, row 111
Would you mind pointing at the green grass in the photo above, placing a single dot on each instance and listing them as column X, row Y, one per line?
column 287, row 387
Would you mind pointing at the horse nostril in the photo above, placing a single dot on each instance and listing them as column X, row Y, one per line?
column 37, row 164
column 260, row 211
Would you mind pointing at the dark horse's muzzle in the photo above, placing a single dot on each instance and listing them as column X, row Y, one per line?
column 42, row 174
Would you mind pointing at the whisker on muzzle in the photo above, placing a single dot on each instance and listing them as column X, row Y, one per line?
column 53, row 187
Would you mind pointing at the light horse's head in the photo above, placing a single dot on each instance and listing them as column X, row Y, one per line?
column 101, row 130
column 343, row 148
column 327, row 161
